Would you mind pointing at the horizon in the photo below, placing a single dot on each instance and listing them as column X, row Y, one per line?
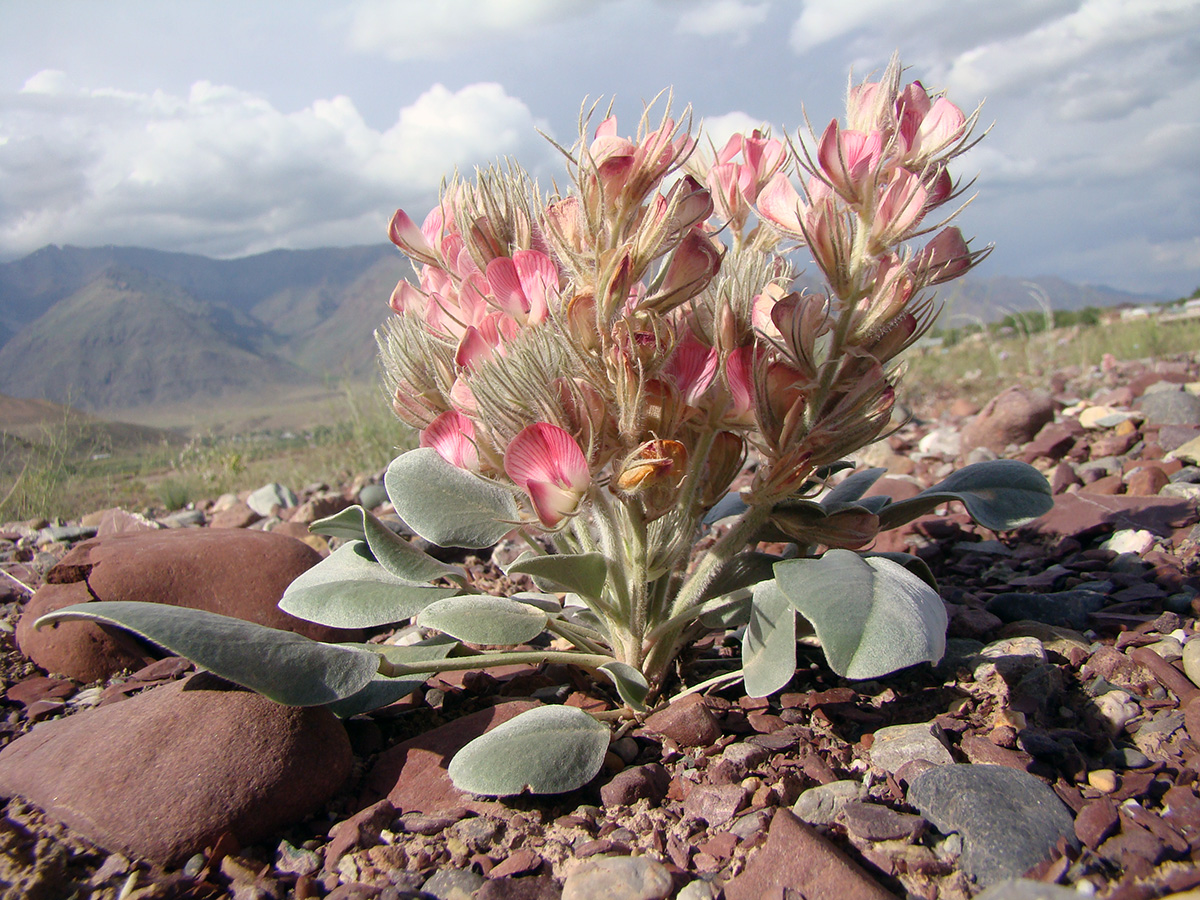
column 215, row 133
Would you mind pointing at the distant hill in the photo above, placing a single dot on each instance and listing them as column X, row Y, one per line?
column 123, row 328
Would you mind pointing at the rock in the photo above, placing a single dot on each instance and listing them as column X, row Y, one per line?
column 239, row 515
column 1171, row 407
column 534, row 887
column 1010, row 658
column 270, row 497
column 1191, row 660
column 688, row 722
column 716, row 805
column 618, row 878
column 797, row 860
column 875, row 822
column 1129, row 540
column 649, row 782
column 820, row 805
column 412, row 775
column 164, row 774
column 234, row 573
column 698, row 890
column 1009, row 820
column 1013, row 417
column 453, row 884
column 896, row 745
column 372, row 496
column 360, row 831
column 1069, row 609
column 1078, row 515
column 1096, row 822
column 1024, row 889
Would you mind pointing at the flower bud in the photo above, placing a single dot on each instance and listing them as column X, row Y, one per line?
column 725, row 462
column 653, row 473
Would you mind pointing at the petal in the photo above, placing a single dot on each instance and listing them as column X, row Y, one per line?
column 780, row 204
column 405, row 234
column 546, row 453
column 452, row 435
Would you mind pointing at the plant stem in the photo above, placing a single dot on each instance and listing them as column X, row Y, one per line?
column 734, row 540
column 486, row 660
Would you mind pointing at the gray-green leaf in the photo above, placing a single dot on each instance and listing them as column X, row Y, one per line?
column 769, row 645
column 548, row 750
column 382, row 690
column 447, row 505
column 483, row 619
column 285, row 667
column 630, row 683
column 871, row 615
column 582, row 573
column 349, row 589
column 394, row 553
column 1000, row 494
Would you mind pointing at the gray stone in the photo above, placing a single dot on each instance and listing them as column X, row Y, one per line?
column 1066, row 608
column 1009, row 820
column 54, row 534
column 372, row 496
column 1010, row 658
column 899, row 744
column 1024, row 889
column 618, row 878
column 1171, row 407
column 1191, row 660
column 453, row 884
column 185, row 518
column 266, row 498
column 698, row 890
column 820, row 805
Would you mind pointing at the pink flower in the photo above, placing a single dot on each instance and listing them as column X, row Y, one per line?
column 546, row 463
column 408, row 237
column 524, row 286
column 849, row 159
column 452, row 435
column 693, row 265
column 781, row 205
column 899, row 209
column 944, row 258
column 693, row 366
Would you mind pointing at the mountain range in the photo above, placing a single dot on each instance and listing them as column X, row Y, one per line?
column 123, row 328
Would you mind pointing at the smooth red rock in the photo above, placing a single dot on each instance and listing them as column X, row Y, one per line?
column 1096, row 822
column 232, row 572
column 1075, row 515
column 163, row 775
column 797, row 857
column 239, row 515
column 412, row 775
column 1146, row 481
column 1015, row 416
column 688, row 722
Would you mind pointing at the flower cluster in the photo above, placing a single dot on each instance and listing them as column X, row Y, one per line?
column 614, row 352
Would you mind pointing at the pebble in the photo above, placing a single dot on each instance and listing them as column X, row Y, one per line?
column 1117, row 709
column 896, row 745
column 1191, row 660
column 1009, row 658
column 265, row 500
column 618, row 878
column 372, row 496
column 698, row 890
column 453, row 884
column 1069, row 609
column 1129, row 540
column 1024, row 889
column 820, row 805
column 1104, row 780
column 1009, row 820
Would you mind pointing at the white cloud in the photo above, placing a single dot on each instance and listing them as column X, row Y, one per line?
column 429, row 29
column 222, row 171
column 723, row 17
column 718, row 129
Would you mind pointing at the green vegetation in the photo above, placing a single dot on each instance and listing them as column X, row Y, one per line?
column 68, row 468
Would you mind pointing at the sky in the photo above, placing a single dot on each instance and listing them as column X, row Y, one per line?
column 228, row 128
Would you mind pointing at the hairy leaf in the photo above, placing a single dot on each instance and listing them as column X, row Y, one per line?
column 631, row 684
column 852, row 487
column 1000, row 494
column 285, row 667
column 394, row 553
column 581, row 573
column 548, row 750
column 769, row 645
column 482, row 619
column 349, row 589
column 447, row 505
column 838, row 525
column 381, row 690
column 871, row 615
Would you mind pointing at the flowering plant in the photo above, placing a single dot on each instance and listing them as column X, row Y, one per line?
column 592, row 370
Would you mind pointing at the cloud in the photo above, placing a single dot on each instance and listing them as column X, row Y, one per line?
column 222, row 171
column 419, row 29
column 713, row 18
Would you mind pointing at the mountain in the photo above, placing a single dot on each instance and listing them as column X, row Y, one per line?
column 125, row 328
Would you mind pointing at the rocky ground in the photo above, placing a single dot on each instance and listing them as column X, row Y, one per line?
column 1058, row 740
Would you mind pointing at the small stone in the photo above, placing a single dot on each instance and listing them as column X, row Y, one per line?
column 269, row 497
column 896, row 745
column 1171, row 407
column 820, row 805
column 649, row 782
column 715, row 805
column 875, row 822
column 1009, row 820
column 1011, row 658
column 618, row 878
column 797, row 860
column 698, row 890
column 372, row 496
column 1103, row 780
column 1025, row 889
column 453, row 884
column 1191, row 660
column 1015, row 416
column 1096, row 822
column 1069, row 609
column 688, row 722
column 1129, row 540
column 532, row 887
column 1117, row 709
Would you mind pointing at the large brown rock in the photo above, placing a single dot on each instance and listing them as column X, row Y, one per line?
column 1014, row 416
column 164, row 774
column 232, row 572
